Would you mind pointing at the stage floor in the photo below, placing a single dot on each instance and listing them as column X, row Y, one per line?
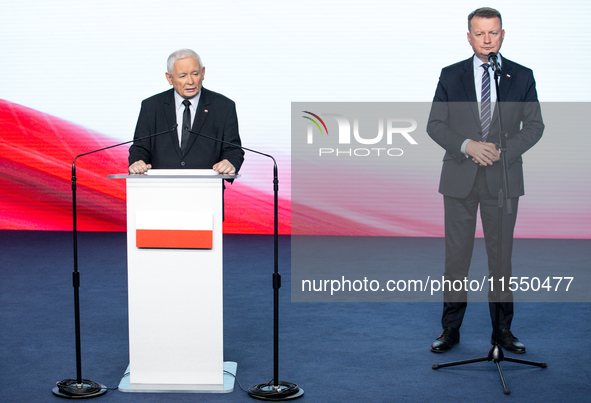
column 337, row 352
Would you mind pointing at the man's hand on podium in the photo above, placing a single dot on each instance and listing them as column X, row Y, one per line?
column 139, row 167
column 224, row 167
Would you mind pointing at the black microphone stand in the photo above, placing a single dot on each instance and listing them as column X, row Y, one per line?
column 274, row 390
column 496, row 352
column 83, row 388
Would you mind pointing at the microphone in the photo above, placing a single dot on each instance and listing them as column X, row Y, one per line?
column 265, row 391
column 233, row 144
column 120, row 144
column 276, row 275
column 83, row 388
column 494, row 61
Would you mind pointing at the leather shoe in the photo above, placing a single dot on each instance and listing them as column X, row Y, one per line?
column 446, row 340
column 509, row 342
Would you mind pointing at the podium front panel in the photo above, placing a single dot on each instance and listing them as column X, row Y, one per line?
column 175, row 293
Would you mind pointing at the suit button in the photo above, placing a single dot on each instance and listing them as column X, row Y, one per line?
column 183, row 163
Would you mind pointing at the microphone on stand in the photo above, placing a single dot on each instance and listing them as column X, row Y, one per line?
column 273, row 390
column 83, row 388
column 494, row 62
column 233, row 144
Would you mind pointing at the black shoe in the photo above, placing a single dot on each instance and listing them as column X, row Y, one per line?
column 446, row 340
column 509, row 342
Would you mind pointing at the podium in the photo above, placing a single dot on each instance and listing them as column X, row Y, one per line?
column 175, row 282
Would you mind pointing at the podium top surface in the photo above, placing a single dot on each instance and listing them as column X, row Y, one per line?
column 175, row 173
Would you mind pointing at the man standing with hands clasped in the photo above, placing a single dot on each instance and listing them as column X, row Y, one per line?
column 193, row 109
column 464, row 120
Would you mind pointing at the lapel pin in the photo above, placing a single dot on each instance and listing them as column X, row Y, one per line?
column 205, row 110
column 508, row 76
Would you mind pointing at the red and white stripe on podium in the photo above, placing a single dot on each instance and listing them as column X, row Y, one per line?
column 182, row 230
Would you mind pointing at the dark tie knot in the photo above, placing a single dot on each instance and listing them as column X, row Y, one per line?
column 187, row 103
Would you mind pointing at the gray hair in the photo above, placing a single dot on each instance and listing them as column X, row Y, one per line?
column 484, row 12
column 182, row 54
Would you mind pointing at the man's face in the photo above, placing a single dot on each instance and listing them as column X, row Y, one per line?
column 186, row 77
column 485, row 36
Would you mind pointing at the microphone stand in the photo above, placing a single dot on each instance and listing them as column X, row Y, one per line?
column 83, row 388
column 274, row 390
column 496, row 352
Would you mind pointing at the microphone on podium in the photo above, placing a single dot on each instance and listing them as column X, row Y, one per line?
column 80, row 388
column 117, row 145
column 275, row 389
column 233, row 144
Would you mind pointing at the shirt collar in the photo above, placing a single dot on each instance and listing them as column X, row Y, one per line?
column 178, row 100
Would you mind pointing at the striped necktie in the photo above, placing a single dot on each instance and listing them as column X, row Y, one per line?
column 485, row 117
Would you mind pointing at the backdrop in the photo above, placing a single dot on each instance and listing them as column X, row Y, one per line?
column 74, row 74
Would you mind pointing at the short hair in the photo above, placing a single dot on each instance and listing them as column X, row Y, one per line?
column 484, row 12
column 181, row 54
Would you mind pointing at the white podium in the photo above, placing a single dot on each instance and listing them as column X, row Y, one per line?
column 175, row 282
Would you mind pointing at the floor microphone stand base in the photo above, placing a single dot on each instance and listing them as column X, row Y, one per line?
column 495, row 355
column 71, row 389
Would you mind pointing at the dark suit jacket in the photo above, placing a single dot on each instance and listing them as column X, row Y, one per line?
column 215, row 117
column 454, row 118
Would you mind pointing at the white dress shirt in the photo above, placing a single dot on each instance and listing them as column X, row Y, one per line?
column 180, row 110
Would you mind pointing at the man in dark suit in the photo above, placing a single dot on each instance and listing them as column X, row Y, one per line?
column 464, row 120
column 193, row 108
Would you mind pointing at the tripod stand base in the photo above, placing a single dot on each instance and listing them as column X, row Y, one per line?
column 269, row 392
column 71, row 389
column 495, row 355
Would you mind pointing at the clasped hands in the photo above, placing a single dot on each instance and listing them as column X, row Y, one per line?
column 482, row 153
